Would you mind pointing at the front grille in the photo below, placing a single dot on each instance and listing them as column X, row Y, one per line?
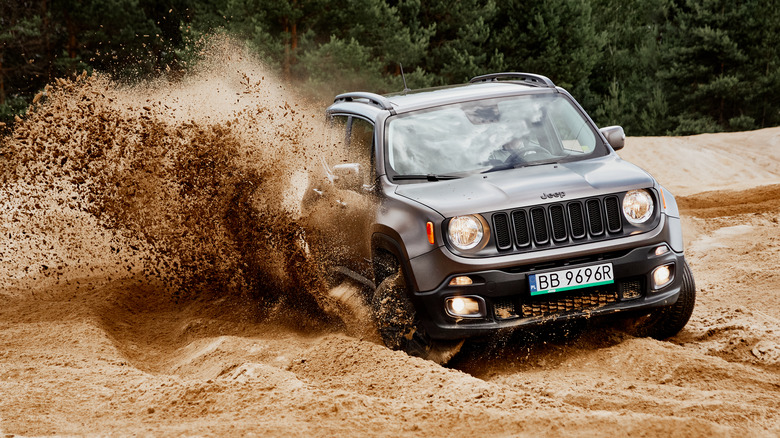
column 595, row 223
column 564, row 223
column 613, row 214
column 590, row 300
column 558, row 222
column 505, row 308
column 501, row 225
column 539, row 222
column 522, row 236
column 577, row 220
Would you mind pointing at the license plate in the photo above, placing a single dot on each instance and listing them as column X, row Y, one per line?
column 569, row 279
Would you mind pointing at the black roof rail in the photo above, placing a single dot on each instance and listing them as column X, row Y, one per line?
column 532, row 79
column 372, row 98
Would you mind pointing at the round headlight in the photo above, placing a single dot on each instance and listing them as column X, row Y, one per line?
column 465, row 232
column 638, row 206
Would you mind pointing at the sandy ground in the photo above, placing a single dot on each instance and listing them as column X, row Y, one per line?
column 99, row 350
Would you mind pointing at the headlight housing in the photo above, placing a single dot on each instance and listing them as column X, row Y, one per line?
column 638, row 206
column 465, row 232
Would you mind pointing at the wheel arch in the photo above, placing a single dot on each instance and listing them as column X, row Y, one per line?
column 388, row 254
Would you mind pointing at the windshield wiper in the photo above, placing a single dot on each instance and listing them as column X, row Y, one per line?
column 540, row 163
column 429, row 177
column 519, row 165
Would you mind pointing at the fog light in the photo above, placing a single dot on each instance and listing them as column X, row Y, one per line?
column 662, row 275
column 464, row 307
column 661, row 250
column 461, row 281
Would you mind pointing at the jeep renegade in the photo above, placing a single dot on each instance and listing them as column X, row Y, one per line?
column 499, row 204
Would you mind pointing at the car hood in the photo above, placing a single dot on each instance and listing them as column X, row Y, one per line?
column 526, row 186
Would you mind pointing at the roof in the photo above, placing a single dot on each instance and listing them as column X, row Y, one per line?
column 460, row 93
column 481, row 87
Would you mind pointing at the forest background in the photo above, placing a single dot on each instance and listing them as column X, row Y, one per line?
column 656, row 67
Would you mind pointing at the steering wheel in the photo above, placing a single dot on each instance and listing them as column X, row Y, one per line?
column 520, row 156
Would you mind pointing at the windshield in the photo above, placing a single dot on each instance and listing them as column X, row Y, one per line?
column 489, row 135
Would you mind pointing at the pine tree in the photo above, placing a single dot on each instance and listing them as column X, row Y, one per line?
column 759, row 35
column 556, row 38
column 704, row 63
column 624, row 80
column 24, row 64
column 463, row 44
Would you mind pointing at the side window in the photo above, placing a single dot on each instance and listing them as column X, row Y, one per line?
column 361, row 141
column 575, row 134
column 337, row 132
column 352, row 141
column 360, row 148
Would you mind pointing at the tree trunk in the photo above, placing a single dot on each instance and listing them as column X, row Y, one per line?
column 294, row 37
column 71, row 26
column 49, row 57
column 286, row 62
column 2, row 82
column 290, row 47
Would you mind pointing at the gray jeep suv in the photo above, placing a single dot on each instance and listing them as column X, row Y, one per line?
column 498, row 204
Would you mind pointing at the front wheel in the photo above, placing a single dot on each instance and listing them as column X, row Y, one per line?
column 666, row 322
column 398, row 326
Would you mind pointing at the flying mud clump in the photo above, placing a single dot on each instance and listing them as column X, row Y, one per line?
column 195, row 184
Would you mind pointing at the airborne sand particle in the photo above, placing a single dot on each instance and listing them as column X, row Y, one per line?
column 177, row 181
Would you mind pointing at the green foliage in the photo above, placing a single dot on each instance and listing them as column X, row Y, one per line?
column 654, row 118
column 341, row 66
column 624, row 79
column 45, row 39
column 742, row 123
column 653, row 66
column 21, row 42
column 379, row 27
column 12, row 107
column 556, row 37
column 712, row 62
column 687, row 124
column 461, row 45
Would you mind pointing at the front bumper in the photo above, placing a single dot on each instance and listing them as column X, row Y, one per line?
column 509, row 304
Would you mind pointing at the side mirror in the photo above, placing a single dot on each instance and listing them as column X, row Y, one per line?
column 615, row 136
column 347, row 176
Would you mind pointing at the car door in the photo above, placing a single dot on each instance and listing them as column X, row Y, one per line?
column 339, row 204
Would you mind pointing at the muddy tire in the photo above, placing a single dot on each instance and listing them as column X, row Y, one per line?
column 666, row 322
column 399, row 329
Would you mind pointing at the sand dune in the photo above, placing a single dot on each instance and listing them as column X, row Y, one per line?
column 709, row 162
